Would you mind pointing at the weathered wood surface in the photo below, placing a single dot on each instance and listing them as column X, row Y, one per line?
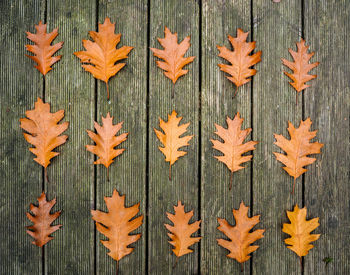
column 219, row 19
column 140, row 93
column 327, row 103
column 277, row 27
column 21, row 177
column 71, row 174
column 181, row 17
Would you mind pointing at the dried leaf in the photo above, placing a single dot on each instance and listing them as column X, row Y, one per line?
column 44, row 131
column 233, row 146
column 171, row 138
column 117, row 224
column 297, row 149
column 173, row 55
column 299, row 229
column 101, row 56
column 43, row 50
column 240, row 238
column 42, row 220
column 240, row 60
column 300, row 67
column 106, row 140
column 181, row 231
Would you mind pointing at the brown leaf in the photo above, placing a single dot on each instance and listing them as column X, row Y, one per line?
column 240, row 60
column 181, row 231
column 43, row 50
column 42, row 220
column 300, row 67
column 299, row 229
column 106, row 140
column 117, row 224
column 240, row 238
column 173, row 55
column 101, row 56
column 297, row 149
column 171, row 138
column 44, row 131
column 233, row 146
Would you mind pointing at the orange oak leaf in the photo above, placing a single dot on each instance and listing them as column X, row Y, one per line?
column 117, row 224
column 101, row 56
column 240, row 59
column 173, row 56
column 42, row 229
column 171, row 138
column 297, row 149
column 106, row 140
column 233, row 146
column 299, row 229
column 181, row 230
column 43, row 50
column 300, row 67
column 44, row 132
column 241, row 239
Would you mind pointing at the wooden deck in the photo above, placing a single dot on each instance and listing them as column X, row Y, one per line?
column 139, row 95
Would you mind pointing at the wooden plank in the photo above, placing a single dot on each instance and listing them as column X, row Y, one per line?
column 181, row 17
column 327, row 104
column 21, row 176
column 71, row 174
column 219, row 19
column 277, row 27
column 128, row 90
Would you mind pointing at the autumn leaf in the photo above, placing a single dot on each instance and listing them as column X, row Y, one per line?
column 241, row 239
column 300, row 67
column 297, row 149
column 117, row 224
column 181, row 230
column 233, row 146
column 171, row 139
column 101, row 56
column 43, row 50
column 173, row 56
column 240, row 59
column 299, row 229
column 42, row 229
column 106, row 140
column 44, row 132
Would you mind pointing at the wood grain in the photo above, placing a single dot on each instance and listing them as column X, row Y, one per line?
column 71, row 174
column 327, row 103
column 277, row 27
column 21, row 176
column 163, row 194
column 220, row 19
column 128, row 90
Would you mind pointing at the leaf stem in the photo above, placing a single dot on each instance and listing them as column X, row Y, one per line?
column 242, row 267
column 170, row 172
column 296, row 97
column 235, row 92
column 46, row 176
column 108, row 174
column 231, row 176
column 107, row 91
column 173, row 91
column 293, row 187
column 301, row 264
column 177, row 259
column 117, row 267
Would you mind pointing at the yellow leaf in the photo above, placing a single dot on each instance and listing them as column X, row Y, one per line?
column 299, row 229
